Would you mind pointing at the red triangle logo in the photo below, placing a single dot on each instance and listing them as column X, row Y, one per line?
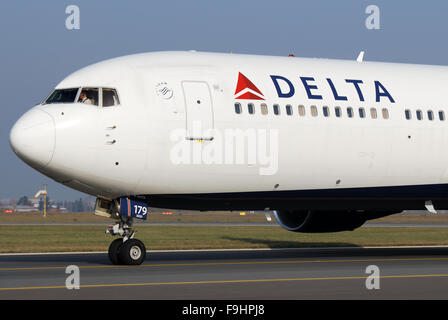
column 244, row 84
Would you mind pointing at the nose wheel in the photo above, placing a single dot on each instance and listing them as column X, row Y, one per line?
column 114, row 251
column 132, row 252
column 129, row 252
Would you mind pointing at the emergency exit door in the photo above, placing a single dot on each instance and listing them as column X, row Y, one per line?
column 199, row 110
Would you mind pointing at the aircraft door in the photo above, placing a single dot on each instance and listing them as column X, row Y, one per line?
column 198, row 109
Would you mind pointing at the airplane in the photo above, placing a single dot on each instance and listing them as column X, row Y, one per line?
column 325, row 144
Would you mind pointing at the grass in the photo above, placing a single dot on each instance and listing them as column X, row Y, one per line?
column 92, row 238
column 88, row 217
column 53, row 238
column 195, row 216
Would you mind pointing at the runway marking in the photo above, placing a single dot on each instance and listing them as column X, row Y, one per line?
column 228, row 263
column 225, row 282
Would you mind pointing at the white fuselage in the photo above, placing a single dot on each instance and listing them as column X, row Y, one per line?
column 175, row 131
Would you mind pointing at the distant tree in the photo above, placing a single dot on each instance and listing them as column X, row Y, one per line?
column 77, row 206
column 80, row 205
column 48, row 203
column 87, row 204
column 23, row 201
column 41, row 204
column 68, row 205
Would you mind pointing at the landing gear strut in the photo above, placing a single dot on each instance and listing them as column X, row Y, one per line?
column 125, row 250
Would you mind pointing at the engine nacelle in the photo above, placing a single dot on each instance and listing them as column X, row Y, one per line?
column 308, row 221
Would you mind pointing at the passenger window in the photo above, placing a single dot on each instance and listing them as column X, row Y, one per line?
column 337, row 112
column 237, row 108
column 442, row 116
column 314, row 111
column 350, row 112
column 301, row 110
column 288, row 110
column 430, row 115
column 264, row 109
column 362, row 113
column 250, row 108
column 276, row 109
column 326, row 111
column 408, row 114
column 89, row 96
column 110, row 97
column 373, row 113
column 419, row 114
column 385, row 113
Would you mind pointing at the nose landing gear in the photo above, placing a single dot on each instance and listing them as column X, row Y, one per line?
column 125, row 250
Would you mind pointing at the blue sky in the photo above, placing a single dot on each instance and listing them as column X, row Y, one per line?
column 37, row 51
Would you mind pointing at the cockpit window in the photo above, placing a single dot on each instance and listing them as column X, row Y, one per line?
column 89, row 96
column 105, row 97
column 110, row 98
column 62, row 96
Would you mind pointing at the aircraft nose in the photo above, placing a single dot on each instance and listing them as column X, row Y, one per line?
column 32, row 138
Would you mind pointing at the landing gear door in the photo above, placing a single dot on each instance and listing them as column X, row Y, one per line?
column 133, row 208
column 199, row 110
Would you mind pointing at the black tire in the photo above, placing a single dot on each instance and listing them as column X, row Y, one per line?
column 114, row 250
column 132, row 252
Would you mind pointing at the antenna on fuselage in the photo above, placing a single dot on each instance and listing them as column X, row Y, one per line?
column 360, row 57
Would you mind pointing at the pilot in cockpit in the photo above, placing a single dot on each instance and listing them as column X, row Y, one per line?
column 83, row 98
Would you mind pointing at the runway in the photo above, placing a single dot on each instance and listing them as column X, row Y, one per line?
column 327, row 273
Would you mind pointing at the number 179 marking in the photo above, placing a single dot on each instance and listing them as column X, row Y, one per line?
column 140, row 209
